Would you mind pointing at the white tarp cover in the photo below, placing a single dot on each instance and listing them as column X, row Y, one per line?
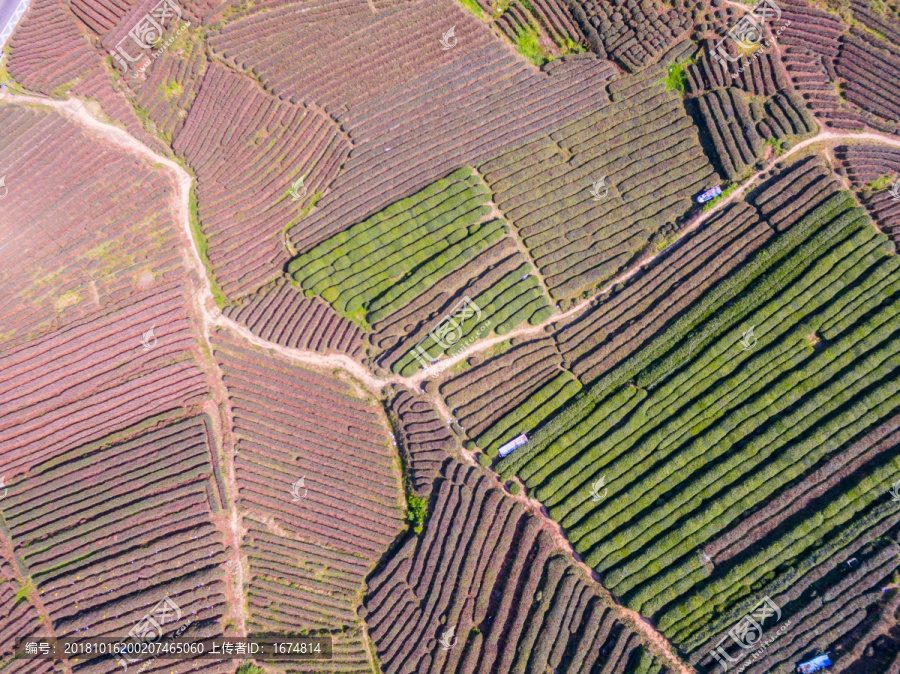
column 515, row 443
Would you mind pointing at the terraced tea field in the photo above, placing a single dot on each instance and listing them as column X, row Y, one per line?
column 457, row 584
column 683, row 473
column 305, row 143
column 461, row 336
column 309, row 544
column 379, row 275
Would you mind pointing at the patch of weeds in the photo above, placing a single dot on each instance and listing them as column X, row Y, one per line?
column 569, row 46
column 312, row 204
column 172, row 90
column 777, row 145
column 250, row 668
column 144, row 115
column 66, row 300
column 26, row 591
column 416, row 511
column 497, row 349
column 676, row 78
column 4, row 73
column 236, row 8
column 189, row 40
column 882, row 183
column 473, row 7
column 203, row 248
column 715, row 200
column 662, row 244
column 529, row 45
column 359, row 317
column 63, row 89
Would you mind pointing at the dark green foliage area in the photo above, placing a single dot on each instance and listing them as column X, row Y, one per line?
column 416, row 511
column 665, row 473
column 381, row 264
column 377, row 271
column 529, row 415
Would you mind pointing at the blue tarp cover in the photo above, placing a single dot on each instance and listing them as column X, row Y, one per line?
column 814, row 665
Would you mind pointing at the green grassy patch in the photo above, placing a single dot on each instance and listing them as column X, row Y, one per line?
column 662, row 244
column 26, row 591
column 416, row 512
column 529, row 45
column 312, row 204
column 882, row 183
column 189, row 40
column 172, row 90
column 62, row 89
column 4, row 73
column 250, row 668
column 237, row 8
column 676, row 78
column 569, row 46
column 777, row 144
column 715, row 200
column 473, row 7
column 203, row 248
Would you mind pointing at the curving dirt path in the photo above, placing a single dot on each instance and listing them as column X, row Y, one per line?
column 336, row 361
column 231, row 525
column 79, row 113
column 631, row 618
column 211, row 317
